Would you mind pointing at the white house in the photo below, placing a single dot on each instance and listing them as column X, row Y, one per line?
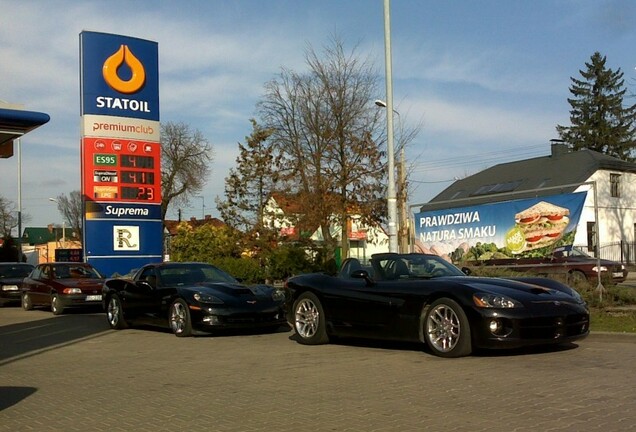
column 282, row 211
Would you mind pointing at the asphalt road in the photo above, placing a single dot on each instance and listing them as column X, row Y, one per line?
column 70, row 372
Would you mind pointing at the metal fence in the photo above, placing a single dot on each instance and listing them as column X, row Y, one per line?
column 622, row 251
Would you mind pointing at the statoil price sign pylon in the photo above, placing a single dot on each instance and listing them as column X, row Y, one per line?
column 120, row 151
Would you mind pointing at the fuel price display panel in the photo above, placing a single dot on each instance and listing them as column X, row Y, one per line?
column 119, row 170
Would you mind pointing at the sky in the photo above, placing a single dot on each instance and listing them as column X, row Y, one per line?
column 487, row 82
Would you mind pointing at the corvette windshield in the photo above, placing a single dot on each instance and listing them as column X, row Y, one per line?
column 188, row 274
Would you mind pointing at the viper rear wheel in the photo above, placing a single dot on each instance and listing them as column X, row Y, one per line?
column 309, row 320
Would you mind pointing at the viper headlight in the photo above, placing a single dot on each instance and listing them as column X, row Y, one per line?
column 487, row 300
column 207, row 298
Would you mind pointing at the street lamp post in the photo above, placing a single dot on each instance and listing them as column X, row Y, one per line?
column 391, row 196
column 19, row 198
column 63, row 242
column 400, row 182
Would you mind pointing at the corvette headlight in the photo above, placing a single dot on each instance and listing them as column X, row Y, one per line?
column 486, row 300
column 278, row 295
column 207, row 298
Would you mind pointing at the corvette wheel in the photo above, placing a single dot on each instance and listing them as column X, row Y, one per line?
column 55, row 305
column 309, row 320
column 115, row 314
column 27, row 304
column 179, row 319
column 446, row 329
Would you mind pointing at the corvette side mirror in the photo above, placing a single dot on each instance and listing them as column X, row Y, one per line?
column 466, row 271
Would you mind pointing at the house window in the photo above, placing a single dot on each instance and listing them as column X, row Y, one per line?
column 615, row 185
column 591, row 236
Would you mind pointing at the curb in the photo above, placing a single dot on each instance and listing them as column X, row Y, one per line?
column 613, row 336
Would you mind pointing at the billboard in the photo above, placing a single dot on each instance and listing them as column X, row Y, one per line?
column 519, row 228
column 120, row 151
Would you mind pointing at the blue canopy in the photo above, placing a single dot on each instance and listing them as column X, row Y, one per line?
column 14, row 123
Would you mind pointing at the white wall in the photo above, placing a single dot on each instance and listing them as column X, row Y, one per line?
column 616, row 215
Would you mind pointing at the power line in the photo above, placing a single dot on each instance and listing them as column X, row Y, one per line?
column 431, row 182
column 472, row 160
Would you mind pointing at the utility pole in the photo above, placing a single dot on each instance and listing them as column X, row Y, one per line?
column 403, row 234
column 391, row 198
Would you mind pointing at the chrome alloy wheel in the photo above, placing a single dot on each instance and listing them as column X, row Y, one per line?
column 113, row 312
column 178, row 317
column 443, row 328
column 307, row 318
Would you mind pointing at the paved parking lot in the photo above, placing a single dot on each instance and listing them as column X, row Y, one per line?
column 71, row 372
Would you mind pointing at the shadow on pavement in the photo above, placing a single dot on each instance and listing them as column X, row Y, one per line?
column 29, row 338
column 414, row 346
column 247, row 331
column 10, row 396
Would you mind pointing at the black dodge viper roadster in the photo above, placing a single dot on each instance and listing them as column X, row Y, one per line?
column 418, row 297
column 190, row 296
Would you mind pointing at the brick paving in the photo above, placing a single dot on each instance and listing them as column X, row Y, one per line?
column 71, row 372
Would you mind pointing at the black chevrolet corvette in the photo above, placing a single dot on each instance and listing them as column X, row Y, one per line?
column 418, row 297
column 190, row 296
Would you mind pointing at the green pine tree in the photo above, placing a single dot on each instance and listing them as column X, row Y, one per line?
column 599, row 121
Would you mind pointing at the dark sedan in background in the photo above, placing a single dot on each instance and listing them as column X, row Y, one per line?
column 62, row 285
column 11, row 277
column 191, row 296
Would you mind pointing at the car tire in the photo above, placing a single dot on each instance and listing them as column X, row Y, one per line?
column 115, row 313
column 55, row 305
column 446, row 329
column 27, row 304
column 179, row 319
column 577, row 278
column 309, row 320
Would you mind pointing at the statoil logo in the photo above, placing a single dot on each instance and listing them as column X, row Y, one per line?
column 111, row 73
column 112, row 65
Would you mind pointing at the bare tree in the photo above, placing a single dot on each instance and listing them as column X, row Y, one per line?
column 185, row 159
column 71, row 209
column 8, row 218
column 330, row 137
